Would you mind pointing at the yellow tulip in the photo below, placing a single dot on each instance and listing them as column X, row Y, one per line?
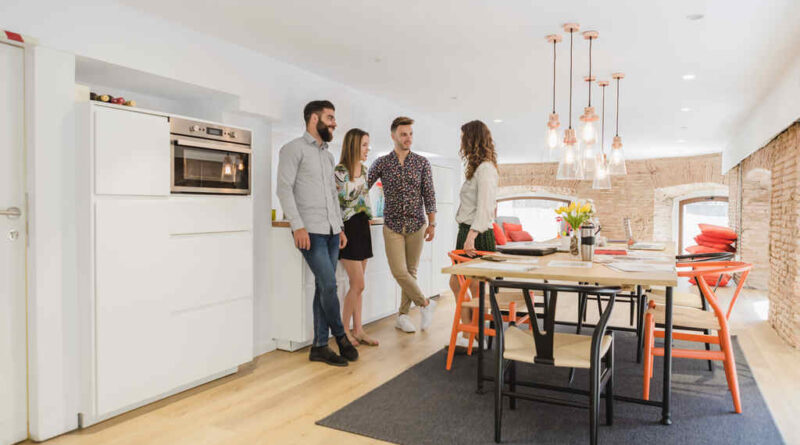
column 559, row 210
column 572, row 206
column 586, row 208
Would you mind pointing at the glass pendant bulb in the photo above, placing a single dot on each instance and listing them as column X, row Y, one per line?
column 589, row 159
column 616, row 165
column 601, row 180
column 552, row 140
column 570, row 166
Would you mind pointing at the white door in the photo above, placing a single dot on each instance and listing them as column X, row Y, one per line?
column 13, row 386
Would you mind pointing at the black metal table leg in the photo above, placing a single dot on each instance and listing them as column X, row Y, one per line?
column 639, row 323
column 481, row 309
column 665, row 412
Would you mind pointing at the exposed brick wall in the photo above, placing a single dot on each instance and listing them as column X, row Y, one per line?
column 765, row 211
column 632, row 195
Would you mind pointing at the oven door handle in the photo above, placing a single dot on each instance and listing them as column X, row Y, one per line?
column 222, row 146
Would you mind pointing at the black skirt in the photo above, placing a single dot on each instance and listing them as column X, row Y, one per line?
column 484, row 242
column 359, row 239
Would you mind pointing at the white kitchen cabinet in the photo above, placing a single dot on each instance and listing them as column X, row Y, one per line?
column 131, row 153
column 165, row 281
column 293, row 289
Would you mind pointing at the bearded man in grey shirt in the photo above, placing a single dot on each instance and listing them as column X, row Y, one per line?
column 307, row 192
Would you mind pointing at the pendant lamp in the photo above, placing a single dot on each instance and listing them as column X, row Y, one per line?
column 588, row 133
column 551, row 140
column 570, row 166
column 602, row 180
column 617, row 158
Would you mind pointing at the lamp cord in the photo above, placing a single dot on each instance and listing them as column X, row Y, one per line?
column 590, row 71
column 603, row 123
column 617, row 107
column 554, row 76
column 570, row 79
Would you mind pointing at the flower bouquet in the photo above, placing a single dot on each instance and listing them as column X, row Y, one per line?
column 575, row 214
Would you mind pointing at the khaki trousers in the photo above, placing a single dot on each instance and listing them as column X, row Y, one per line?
column 403, row 251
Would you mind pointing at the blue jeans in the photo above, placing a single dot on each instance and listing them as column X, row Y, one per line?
column 322, row 259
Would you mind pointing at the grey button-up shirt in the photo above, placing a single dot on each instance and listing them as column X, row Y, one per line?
column 306, row 186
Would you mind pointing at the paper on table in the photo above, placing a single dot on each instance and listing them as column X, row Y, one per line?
column 627, row 266
column 575, row 264
column 504, row 266
column 646, row 246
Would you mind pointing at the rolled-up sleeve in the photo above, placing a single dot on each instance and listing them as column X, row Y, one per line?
column 288, row 163
column 486, row 178
column 428, row 193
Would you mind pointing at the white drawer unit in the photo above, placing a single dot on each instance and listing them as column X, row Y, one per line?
column 166, row 281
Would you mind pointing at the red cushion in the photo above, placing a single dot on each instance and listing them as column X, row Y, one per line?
column 722, row 247
column 712, row 280
column 712, row 239
column 499, row 236
column 718, row 231
column 703, row 249
column 520, row 235
column 510, row 227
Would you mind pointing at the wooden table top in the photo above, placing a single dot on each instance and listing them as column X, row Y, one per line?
column 598, row 273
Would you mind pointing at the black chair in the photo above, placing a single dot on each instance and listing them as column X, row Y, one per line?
column 545, row 346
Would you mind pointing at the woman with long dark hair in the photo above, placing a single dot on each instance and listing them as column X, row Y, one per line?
column 351, row 183
column 478, row 198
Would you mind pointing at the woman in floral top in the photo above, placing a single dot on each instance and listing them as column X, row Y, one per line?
column 351, row 183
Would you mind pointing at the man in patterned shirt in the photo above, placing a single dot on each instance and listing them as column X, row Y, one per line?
column 408, row 189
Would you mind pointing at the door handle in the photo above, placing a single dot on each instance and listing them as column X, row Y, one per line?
column 11, row 212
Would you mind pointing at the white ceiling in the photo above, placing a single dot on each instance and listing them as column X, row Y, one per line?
column 487, row 59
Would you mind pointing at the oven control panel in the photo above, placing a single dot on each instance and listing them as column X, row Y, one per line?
column 210, row 131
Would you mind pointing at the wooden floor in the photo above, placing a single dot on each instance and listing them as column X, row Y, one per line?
column 278, row 397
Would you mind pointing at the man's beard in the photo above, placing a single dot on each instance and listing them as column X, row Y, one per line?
column 324, row 132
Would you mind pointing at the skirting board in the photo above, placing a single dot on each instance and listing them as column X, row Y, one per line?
column 85, row 421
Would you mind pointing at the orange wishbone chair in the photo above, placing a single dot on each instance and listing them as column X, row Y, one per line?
column 511, row 303
column 716, row 319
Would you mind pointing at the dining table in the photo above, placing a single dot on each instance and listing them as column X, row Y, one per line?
column 645, row 268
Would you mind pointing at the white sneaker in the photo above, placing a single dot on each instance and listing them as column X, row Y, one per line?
column 427, row 315
column 404, row 324
column 464, row 342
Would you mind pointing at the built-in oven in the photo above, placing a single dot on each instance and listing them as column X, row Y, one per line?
column 209, row 158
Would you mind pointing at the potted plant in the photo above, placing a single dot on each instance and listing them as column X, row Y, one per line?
column 575, row 214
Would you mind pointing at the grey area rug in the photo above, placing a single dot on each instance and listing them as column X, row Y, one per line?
column 428, row 405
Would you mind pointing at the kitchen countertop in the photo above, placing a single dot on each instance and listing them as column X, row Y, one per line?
column 285, row 223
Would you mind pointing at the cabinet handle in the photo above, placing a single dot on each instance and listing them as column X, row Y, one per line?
column 11, row 212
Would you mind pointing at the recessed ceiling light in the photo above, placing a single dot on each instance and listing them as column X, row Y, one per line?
column 497, row 121
column 681, row 141
column 695, row 16
column 688, row 76
column 685, row 109
column 684, row 127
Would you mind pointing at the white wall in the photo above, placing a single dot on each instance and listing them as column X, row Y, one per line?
column 776, row 111
column 270, row 93
column 52, row 281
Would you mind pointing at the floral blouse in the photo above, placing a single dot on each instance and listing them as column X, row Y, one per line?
column 353, row 195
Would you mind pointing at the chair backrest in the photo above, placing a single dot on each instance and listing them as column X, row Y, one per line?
column 545, row 335
column 704, row 258
column 714, row 268
column 460, row 256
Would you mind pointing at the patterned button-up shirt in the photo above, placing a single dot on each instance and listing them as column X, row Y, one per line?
column 408, row 190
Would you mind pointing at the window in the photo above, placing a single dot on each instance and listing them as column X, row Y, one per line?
column 537, row 215
column 703, row 210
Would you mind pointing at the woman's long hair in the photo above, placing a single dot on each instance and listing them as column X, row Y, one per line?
column 477, row 146
column 351, row 149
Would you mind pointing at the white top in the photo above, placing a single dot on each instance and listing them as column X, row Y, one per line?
column 479, row 198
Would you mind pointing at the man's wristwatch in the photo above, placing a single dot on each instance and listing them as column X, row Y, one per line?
column 432, row 224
